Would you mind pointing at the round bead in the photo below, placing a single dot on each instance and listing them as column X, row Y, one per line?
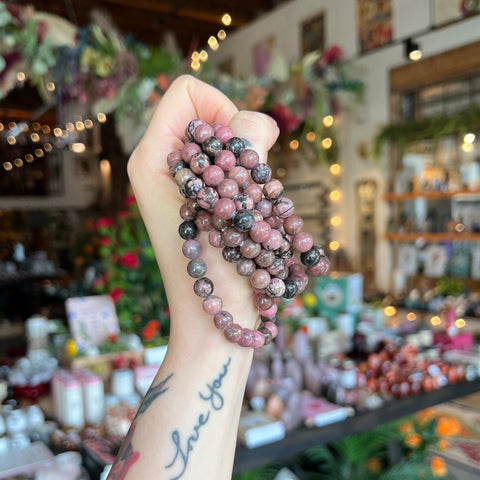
column 204, row 221
column 197, row 268
column 199, row 162
column 222, row 319
column 260, row 279
column 225, row 160
column 246, row 337
column 258, row 216
column 265, row 207
column 176, row 166
column 216, row 126
column 235, row 145
column 260, row 232
column 188, row 230
column 263, row 302
column 227, row 188
column 276, row 288
column 231, row 254
column 224, row 208
column 183, row 176
column 273, row 189
column 207, row 197
column 192, row 249
column 293, row 225
column 258, row 340
column 302, row 242
column 243, row 201
column 274, row 221
column 261, row 173
column 174, row 156
column 232, row 332
column 188, row 150
column 192, row 126
column 202, row 132
column 213, row 175
column 215, row 239
column 250, row 248
column 311, row 257
column 265, row 258
column 277, row 267
column 269, row 312
column 272, row 328
column 212, row 305
column 285, row 250
column 243, row 220
column 290, row 288
column 245, row 267
column 267, row 335
column 212, row 145
column 248, row 159
column 232, row 237
column 203, row 287
column 224, row 134
column 186, row 213
column 240, row 175
column 193, row 186
column 321, row 268
column 255, row 191
column 274, row 240
column 283, row 207
column 221, row 223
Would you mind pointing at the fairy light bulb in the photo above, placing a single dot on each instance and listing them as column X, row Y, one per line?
column 327, row 121
column 460, row 323
column 335, row 221
column 310, row 137
column 411, row 317
column 88, row 123
column 335, row 195
column 29, row 158
column 222, row 35
column 203, row 56
column 226, row 19
column 101, row 117
column 335, row 169
column 35, row 137
column 7, row 166
column 18, row 162
column 50, row 86
column 390, row 311
column 195, row 65
column 435, row 321
column 327, row 143
column 195, row 56
column 294, row 145
column 334, row 245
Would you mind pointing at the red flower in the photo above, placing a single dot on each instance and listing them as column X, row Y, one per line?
column 150, row 329
column 286, row 120
column 332, row 54
column 113, row 337
column 123, row 215
column 130, row 201
column 104, row 241
column 104, row 222
column 130, row 260
column 116, row 294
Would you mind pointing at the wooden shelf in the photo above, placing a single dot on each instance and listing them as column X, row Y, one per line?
column 434, row 195
column 433, row 237
column 304, row 438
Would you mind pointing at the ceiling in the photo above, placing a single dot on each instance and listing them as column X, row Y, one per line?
column 192, row 21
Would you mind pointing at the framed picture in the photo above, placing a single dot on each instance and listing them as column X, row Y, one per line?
column 313, row 34
column 475, row 270
column 407, row 259
column 448, row 11
column 436, row 259
column 374, row 23
column 262, row 55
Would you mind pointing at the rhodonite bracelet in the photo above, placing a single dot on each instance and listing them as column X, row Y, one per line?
column 232, row 196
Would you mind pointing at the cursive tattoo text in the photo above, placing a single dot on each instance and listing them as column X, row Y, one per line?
column 213, row 396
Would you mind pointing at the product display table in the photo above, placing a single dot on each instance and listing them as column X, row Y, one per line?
column 304, row 438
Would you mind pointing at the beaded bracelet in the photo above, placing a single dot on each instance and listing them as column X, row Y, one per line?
column 231, row 195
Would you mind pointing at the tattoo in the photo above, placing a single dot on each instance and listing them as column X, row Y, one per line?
column 214, row 396
column 215, row 401
column 126, row 457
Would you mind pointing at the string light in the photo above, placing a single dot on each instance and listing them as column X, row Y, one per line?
column 212, row 41
column 21, row 76
column 334, row 245
column 11, row 140
column 335, row 169
column 335, row 195
column 88, row 123
column 335, row 221
column 18, row 162
column 294, row 145
column 226, row 19
column 70, row 127
column 57, row 132
column 50, row 86
column 435, row 321
column 12, row 125
column 195, row 65
column 1, row 127
column 47, row 147
column 36, row 126
column 77, row 147
column 327, row 143
column 80, row 126
column 7, row 166
column 46, row 129
column 310, row 136
column 203, row 56
column 467, row 147
column 328, row 121
column 389, row 311
column 460, row 323
column 195, row 56
column 35, row 137
column 411, row 317
column 222, row 35
column 29, row 158
column 101, row 117
column 39, row 153
column 469, row 138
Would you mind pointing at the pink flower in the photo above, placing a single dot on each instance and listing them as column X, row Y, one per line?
column 104, row 222
column 286, row 120
column 116, row 294
column 332, row 54
column 130, row 201
column 104, row 241
column 130, row 260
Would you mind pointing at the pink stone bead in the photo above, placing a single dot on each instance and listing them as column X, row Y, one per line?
column 188, row 150
column 223, row 319
column 249, row 248
column 202, row 132
column 291, row 261
column 245, row 267
column 293, row 225
column 186, row 213
column 274, row 221
column 212, row 305
column 276, row 288
column 321, row 268
column 255, row 191
column 265, row 207
column 213, row 175
column 270, row 312
column 246, row 337
column 265, row 258
column 227, row 188
column 215, row 239
column 259, row 340
column 216, row 126
column 174, row 156
column 248, row 158
column 207, row 197
column 260, row 232
column 224, row 208
column 302, row 242
column 204, row 221
column 224, row 134
column 232, row 237
column 274, row 240
column 263, row 302
column 199, row 162
column 260, row 279
column 226, row 160
column 296, row 270
column 257, row 215
column 240, row 175
column 273, row 189
column 283, row 207
column 243, row 201
column 272, row 328
column 232, row 332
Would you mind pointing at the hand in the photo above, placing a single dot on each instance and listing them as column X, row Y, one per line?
column 159, row 202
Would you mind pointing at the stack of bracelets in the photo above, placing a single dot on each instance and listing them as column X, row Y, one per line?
column 231, row 195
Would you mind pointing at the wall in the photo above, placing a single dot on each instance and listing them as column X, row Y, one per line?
column 411, row 18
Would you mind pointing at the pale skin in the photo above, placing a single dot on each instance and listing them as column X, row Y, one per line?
column 186, row 427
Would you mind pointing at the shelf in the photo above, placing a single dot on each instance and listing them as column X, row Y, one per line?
column 435, row 195
column 304, row 438
column 433, row 237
